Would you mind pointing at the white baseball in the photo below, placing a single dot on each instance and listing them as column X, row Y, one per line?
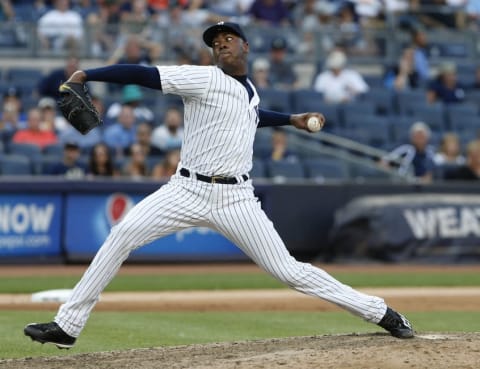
column 313, row 124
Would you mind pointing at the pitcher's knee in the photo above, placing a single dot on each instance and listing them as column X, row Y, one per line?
column 292, row 274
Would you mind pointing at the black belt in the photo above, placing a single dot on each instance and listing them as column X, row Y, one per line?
column 213, row 179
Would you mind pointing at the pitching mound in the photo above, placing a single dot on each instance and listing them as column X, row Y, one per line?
column 337, row 352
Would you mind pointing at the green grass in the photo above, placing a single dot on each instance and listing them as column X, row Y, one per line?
column 116, row 331
column 184, row 282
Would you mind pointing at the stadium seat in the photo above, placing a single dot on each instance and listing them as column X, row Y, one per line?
column 456, row 112
column 465, row 124
column 43, row 165
column 283, row 169
column 372, row 130
column 274, row 99
column 53, row 149
column 321, row 169
column 432, row 114
column 404, row 99
column 382, row 100
column 29, row 150
column 20, row 75
column 361, row 172
column 258, row 169
column 355, row 111
column 308, row 100
column 13, row 164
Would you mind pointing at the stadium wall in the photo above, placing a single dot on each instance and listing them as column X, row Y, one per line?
column 66, row 221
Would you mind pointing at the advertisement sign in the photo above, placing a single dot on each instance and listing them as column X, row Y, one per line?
column 30, row 225
column 89, row 218
column 425, row 227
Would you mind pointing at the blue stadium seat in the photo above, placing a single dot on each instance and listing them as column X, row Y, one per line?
column 361, row 172
column 44, row 164
column 404, row 99
column 29, row 150
column 308, row 100
column 17, row 75
column 283, row 169
column 370, row 130
column 258, row 169
column 53, row 149
column 355, row 111
column 458, row 111
column 465, row 123
column 321, row 169
column 13, row 164
column 274, row 99
column 432, row 114
column 382, row 100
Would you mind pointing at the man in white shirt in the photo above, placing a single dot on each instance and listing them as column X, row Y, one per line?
column 337, row 83
column 61, row 27
column 169, row 135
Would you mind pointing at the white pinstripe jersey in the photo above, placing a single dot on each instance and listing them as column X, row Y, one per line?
column 220, row 121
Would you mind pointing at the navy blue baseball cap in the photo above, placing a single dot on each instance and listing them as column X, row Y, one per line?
column 212, row 31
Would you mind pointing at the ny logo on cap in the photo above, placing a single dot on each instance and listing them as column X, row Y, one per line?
column 220, row 23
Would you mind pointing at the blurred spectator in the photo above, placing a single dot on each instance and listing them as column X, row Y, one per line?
column 136, row 50
column 281, row 76
column 135, row 15
column 417, row 155
column 121, row 134
column 133, row 97
column 269, row 12
column 168, row 166
column 105, row 27
column 450, row 151
column 60, row 28
column 169, row 135
column 85, row 8
column 472, row 12
column 420, row 54
column 100, row 162
column 445, row 87
column 204, row 57
column 33, row 134
column 280, row 149
column 349, row 29
column 49, row 84
column 136, row 166
column 9, row 122
column 443, row 17
column 309, row 17
column 12, row 98
column 7, row 11
column 69, row 166
column 181, row 23
column 229, row 8
column 403, row 76
column 261, row 73
column 50, row 120
column 470, row 170
column 337, row 83
column 144, row 139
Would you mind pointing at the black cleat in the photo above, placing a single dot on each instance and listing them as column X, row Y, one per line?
column 396, row 324
column 49, row 333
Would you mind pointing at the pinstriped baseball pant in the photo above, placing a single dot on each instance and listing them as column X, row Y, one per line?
column 232, row 210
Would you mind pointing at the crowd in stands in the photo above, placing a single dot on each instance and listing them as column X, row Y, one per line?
column 423, row 114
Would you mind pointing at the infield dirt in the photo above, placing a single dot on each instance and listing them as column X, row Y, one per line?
column 369, row 351
column 366, row 351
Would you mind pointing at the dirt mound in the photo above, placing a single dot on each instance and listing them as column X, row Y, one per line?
column 339, row 352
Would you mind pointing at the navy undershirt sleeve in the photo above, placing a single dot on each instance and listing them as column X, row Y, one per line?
column 268, row 118
column 126, row 74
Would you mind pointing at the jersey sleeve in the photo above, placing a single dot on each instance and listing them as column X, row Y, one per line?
column 185, row 80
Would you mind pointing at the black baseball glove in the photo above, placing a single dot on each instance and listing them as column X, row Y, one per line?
column 76, row 106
